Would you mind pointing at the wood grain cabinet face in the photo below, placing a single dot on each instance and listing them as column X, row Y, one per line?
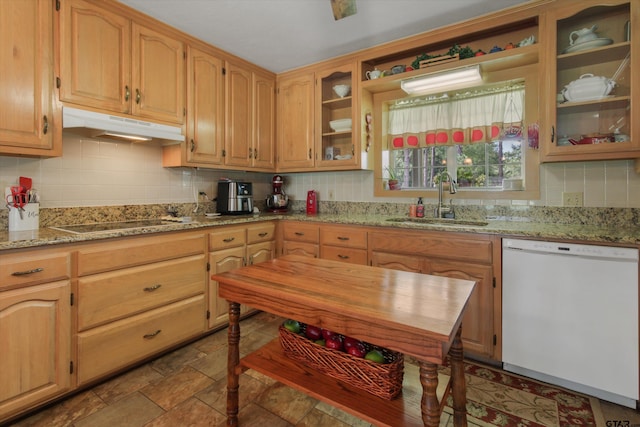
column 136, row 297
column 110, row 63
column 301, row 239
column 457, row 256
column 344, row 243
column 30, row 121
column 35, row 332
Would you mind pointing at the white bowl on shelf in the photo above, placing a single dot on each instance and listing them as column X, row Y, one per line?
column 340, row 125
column 342, row 90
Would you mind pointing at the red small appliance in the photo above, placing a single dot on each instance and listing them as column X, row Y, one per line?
column 312, row 202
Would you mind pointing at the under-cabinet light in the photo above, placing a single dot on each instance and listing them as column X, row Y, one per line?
column 454, row 79
column 124, row 137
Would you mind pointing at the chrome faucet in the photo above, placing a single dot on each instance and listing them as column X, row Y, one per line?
column 441, row 210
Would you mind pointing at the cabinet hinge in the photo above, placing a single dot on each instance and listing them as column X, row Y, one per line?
column 495, row 339
column 71, row 367
column 57, row 5
column 208, row 315
column 71, row 299
column 224, row 71
column 494, row 282
column 208, row 267
column 224, row 153
column 58, row 82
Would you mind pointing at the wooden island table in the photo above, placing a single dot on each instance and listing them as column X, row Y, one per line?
column 415, row 314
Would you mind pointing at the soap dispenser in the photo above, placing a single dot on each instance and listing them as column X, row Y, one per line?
column 420, row 208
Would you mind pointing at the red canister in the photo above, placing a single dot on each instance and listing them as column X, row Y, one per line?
column 312, row 202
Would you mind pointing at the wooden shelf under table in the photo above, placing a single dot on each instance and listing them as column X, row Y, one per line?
column 271, row 361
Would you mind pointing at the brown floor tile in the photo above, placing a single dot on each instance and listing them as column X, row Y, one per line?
column 287, row 403
column 341, row 415
column 127, row 383
column 191, row 413
column 176, row 388
column 175, row 360
column 134, row 411
column 213, row 365
column 256, row 416
column 216, row 394
column 316, row 418
column 65, row 413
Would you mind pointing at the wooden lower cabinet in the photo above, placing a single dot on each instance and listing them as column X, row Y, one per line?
column 461, row 256
column 299, row 238
column 136, row 297
column 234, row 247
column 35, row 337
column 344, row 243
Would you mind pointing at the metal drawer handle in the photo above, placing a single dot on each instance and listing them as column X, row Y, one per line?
column 229, row 239
column 127, row 93
column 152, row 335
column 193, row 146
column 299, row 233
column 343, row 238
column 138, row 96
column 45, row 126
column 263, row 234
column 24, row 273
column 152, row 288
column 343, row 256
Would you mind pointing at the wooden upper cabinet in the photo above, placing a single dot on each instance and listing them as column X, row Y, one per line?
column 95, row 57
column 250, row 139
column 295, row 100
column 238, row 145
column 205, row 115
column 158, row 75
column 30, row 122
column 110, row 63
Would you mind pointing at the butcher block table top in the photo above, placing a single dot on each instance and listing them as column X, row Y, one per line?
column 415, row 314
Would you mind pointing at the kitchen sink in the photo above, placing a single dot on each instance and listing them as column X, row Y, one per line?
column 450, row 222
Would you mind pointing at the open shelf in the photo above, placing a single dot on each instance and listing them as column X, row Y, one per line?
column 271, row 361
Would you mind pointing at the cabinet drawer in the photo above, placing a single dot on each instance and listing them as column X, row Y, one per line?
column 109, row 296
column 344, row 236
column 351, row 255
column 106, row 256
column 433, row 244
column 260, row 233
column 107, row 348
column 32, row 267
column 227, row 238
column 301, row 248
column 299, row 232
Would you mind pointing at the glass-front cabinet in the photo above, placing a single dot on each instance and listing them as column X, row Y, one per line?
column 590, row 89
column 336, row 127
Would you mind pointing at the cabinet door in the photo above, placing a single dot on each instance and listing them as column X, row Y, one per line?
column 588, row 122
column 397, row 261
column 95, row 56
column 29, row 121
column 158, row 75
column 239, row 117
column 477, row 323
column 295, row 123
column 260, row 252
column 264, row 122
column 205, row 116
column 35, row 324
column 336, row 147
column 221, row 261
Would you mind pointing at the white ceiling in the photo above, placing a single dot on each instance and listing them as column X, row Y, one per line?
column 280, row 35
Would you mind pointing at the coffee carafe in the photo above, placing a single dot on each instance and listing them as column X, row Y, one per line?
column 277, row 201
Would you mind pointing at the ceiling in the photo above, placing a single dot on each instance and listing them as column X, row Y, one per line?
column 280, row 35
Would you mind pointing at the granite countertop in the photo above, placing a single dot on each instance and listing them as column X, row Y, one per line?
column 514, row 227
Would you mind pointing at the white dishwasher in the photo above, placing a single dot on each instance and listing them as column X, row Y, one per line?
column 570, row 316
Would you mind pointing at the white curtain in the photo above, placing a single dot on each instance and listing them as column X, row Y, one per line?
column 464, row 120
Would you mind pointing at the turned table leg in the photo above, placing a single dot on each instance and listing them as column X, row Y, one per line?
column 233, row 360
column 430, row 406
column 458, row 382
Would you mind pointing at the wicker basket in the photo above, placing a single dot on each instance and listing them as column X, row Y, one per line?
column 380, row 379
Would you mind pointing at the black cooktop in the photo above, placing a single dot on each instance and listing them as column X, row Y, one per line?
column 109, row 226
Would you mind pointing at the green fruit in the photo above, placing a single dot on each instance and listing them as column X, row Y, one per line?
column 320, row 342
column 292, row 325
column 375, row 356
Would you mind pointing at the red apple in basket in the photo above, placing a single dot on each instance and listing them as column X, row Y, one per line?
column 349, row 342
column 334, row 342
column 326, row 334
column 357, row 350
column 314, row 333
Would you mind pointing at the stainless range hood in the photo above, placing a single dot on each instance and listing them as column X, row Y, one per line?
column 100, row 125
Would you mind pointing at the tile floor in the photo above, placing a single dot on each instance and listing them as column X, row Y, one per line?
column 187, row 388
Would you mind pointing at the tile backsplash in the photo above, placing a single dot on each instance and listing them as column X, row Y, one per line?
column 95, row 172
